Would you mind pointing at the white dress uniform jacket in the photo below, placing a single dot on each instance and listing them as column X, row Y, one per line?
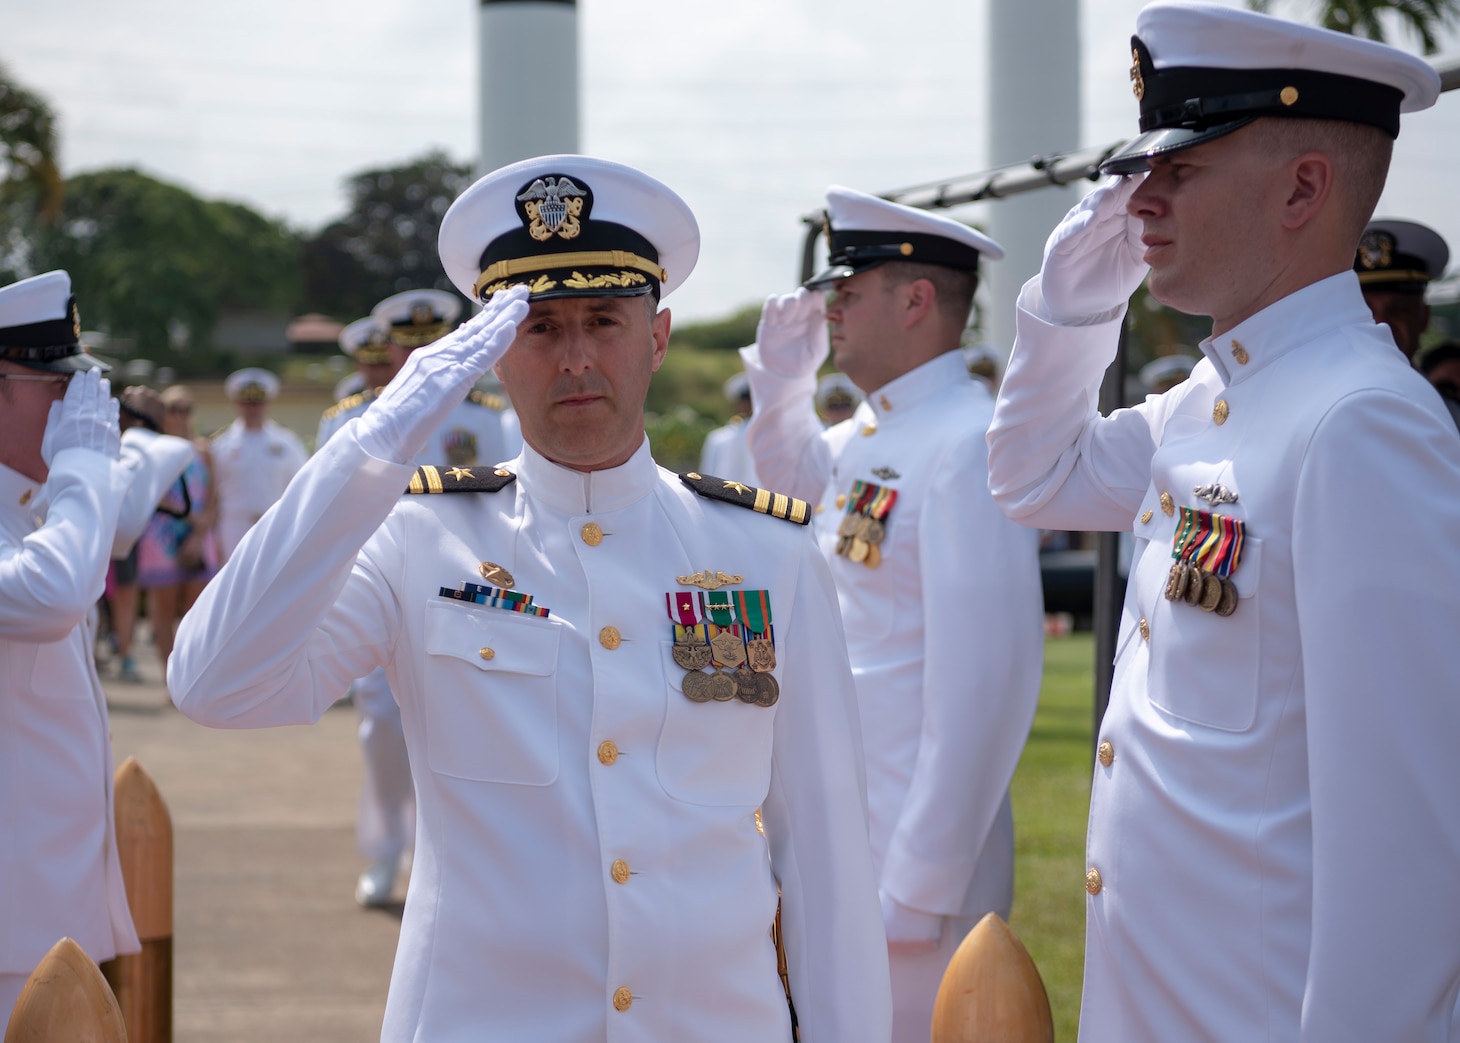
column 1274, row 843
column 945, row 635
column 481, row 430
column 587, row 859
column 250, row 470
column 726, row 453
column 59, row 873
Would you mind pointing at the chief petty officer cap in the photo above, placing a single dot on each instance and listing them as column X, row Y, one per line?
column 40, row 327
column 836, row 390
column 865, row 231
column 569, row 226
column 251, row 385
column 1400, row 255
column 418, row 317
column 366, row 340
column 1200, row 71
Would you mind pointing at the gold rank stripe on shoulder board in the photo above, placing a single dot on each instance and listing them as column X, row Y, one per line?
column 348, row 402
column 762, row 501
column 429, row 480
column 485, row 398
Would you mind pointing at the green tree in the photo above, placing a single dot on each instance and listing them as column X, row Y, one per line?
column 30, row 178
column 150, row 260
column 386, row 243
column 1426, row 19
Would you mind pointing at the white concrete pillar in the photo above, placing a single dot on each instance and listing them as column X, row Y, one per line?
column 1033, row 100
column 529, row 80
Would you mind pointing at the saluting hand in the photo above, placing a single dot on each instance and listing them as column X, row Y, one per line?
column 85, row 419
column 436, row 378
column 792, row 333
column 1093, row 258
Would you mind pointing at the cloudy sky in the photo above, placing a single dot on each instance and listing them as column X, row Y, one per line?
column 748, row 109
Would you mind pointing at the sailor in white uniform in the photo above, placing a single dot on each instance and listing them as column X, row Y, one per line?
column 604, row 670
column 61, row 486
column 1274, row 836
column 253, row 458
column 725, row 451
column 939, row 591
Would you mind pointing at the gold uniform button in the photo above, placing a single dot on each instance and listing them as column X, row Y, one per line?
column 610, row 638
column 487, row 653
column 869, row 429
column 1093, row 883
column 841, row 500
column 620, row 871
column 607, row 751
column 592, row 534
column 1146, row 517
column 1106, row 754
column 1240, row 353
column 1168, row 505
column 502, row 472
column 1221, row 411
column 623, row 999
column 1145, row 629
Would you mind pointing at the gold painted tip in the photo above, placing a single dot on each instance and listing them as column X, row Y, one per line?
column 66, row 998
column 992, row 991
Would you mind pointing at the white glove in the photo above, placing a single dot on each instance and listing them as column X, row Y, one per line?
column 436, row 378
column 1092, row 260
column 909, row 931
column 792, row 333
column 85, row 419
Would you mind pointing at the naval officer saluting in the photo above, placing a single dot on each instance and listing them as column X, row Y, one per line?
column 603, row 669
column 1274, row 839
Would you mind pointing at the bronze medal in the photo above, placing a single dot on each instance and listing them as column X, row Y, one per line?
column 1176, row 582
column 874, row 556
column 1211, row 592
column 691, row 655
column 768, row 690
column 697, row 687
column 843, row 545
column 1192, row 593
column 849, row 525
column 729, row 649
column 746, row 689
column 1228, row 604
column 874, row 531
column 762, row 654
column 721, row 686
column 859, row 550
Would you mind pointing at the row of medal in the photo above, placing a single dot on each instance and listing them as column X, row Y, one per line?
column 496, row 597
column 730, row 632
column 1207, row 549
column 864, row 526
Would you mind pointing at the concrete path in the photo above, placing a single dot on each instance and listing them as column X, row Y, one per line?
column 268, row 941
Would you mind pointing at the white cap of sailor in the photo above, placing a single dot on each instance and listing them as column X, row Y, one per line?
column 1164, row 373
column 40, row 327
column 569, row 226
column 418, row 317
column 1201, row 70
column 1404, row 256
column 367, row 341
column 864, row 231
column 836, row 391
column 251, row 385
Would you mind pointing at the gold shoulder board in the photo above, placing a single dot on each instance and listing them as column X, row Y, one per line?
column 429, row 479
column 762, row 501
column 483, row 398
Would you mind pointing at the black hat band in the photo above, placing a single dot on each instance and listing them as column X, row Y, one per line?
column 858, row 248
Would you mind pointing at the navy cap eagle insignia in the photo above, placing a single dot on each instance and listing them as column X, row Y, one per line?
column 554, row 205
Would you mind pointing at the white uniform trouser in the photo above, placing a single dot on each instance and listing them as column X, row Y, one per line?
column 10, row 986
column 915, row 981
column 387, row 820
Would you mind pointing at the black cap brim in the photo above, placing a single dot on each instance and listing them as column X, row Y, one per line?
column 77, row 363
column 837, row 272
column 1135, row 157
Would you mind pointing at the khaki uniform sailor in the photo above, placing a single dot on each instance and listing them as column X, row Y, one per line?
column 588, row 863
column 253, row 458
column 939, row 591
column 61, row 486
column 1274, row 839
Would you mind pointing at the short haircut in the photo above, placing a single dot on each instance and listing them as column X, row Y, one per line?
column 954, row 287
column 1360, row 155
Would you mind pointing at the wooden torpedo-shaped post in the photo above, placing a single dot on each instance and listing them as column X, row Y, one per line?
column 66, row 998
column 991, row 991
column 143, row 981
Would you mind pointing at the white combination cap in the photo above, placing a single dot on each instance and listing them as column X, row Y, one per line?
column 1201, row 70
column 837, row 390
column 40, row 326
column 865, row 231
column 1164, row 373
column 366, row 341
column 1400, row 255
column 251, row 385
column 569, row 226
column 418, row 317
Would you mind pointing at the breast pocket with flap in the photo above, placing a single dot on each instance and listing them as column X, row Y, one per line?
column 490, row 699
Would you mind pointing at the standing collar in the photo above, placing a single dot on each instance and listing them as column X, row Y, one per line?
column 917, row 385
column 586, row 492
column 1312, row 312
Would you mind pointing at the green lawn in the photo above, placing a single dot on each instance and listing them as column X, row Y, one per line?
column 1051, row 799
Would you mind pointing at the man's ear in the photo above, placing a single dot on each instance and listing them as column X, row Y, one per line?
column 1310, row 189
column 659, row 330
column 919, row 298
